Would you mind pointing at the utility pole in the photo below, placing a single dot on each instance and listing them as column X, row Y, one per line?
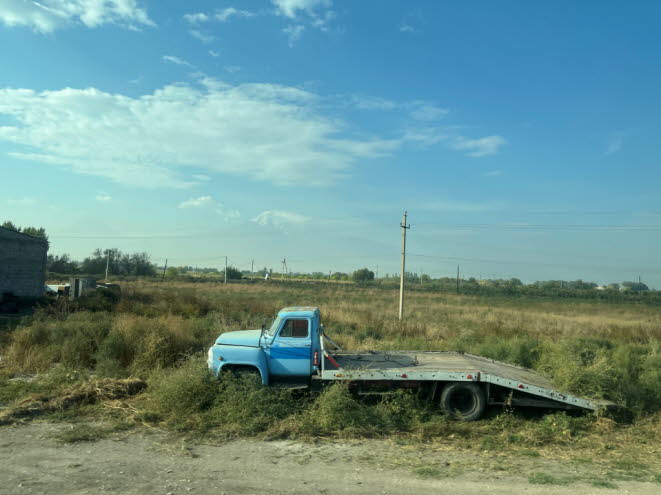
column 225, row 269
column 164, row 268
column 403, row 272
column 640, row 287
column 284, row 267
column 107, row 264
column 377, row 272
column 457, row 279
column 252, row 267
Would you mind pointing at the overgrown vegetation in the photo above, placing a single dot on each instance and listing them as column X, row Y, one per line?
column 159, row 333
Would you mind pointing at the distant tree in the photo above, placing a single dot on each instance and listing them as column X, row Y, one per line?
column 61, row 264
column 363, row 275
column 9, row 225
column 234, row 273
column 635, row 286
column 33, row 231
column 172, row 272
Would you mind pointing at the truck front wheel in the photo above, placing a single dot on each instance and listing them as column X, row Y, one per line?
column 463, row 401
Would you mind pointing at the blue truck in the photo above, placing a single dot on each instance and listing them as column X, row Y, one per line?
column 295, row 351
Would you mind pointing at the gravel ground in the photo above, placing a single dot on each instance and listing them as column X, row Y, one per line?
column 149, row 462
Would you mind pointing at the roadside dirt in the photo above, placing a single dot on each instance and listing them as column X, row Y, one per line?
column 149, row 462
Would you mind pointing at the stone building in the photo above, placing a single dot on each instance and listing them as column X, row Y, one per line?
column 22, row 264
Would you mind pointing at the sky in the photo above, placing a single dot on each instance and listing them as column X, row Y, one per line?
column 523, row 138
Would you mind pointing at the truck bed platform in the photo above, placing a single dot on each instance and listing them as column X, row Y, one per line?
column 438, row 366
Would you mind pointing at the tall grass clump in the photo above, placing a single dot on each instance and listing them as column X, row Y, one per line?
column 189, row 398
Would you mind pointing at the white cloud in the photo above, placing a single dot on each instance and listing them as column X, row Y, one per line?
column 203, row 37
column 196, row 18
column 418, row 109
column 372, row 103
column 208, row 202
column 493, row 173
column 615, row 144
column 197, row 202
column 406, row 28
column 290, row 8
column 214, row 54
column 202, row 177
column 229, row 12
column 45, row 16
column 279, row 218
column 176, row 60
column 293, row 33
column 222, row 15
column 427, row 111
column 103, row 197
column 266, row 132
column 485, row 146
column 25, row 201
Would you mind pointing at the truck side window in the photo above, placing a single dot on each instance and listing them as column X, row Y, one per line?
column 295, row 328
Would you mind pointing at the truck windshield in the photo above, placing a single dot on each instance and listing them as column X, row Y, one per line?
column 274, row 327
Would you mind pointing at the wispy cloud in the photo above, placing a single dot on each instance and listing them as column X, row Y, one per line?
column 293, row 33
column 103, row 197
column 291, row 8
column 203, row 37
column 459, row 206
column 424, row 111
column 24, row 201
column 493, row 173
column 226, row 14
column 200, row 202
column 176, row 60
column 196, row 17
column 427, row 111
column 202, row 177
column 279, row 218
column 314, row 13
column 489, row 145
column 615, row 143
column 221, row 15
column 209, row 203
column 214, row 53
column 46, row 16
column 412, row 22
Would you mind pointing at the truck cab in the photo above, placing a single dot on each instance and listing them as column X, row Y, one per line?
column 287, row 351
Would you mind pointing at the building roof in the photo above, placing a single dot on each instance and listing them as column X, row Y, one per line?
column 5, row 232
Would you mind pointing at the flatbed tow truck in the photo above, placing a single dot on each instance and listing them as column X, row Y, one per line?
column 296, row 352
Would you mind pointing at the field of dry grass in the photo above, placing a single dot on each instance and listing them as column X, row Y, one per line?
column 159, row 332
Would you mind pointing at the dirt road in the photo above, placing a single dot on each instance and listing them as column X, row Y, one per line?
column 149, row 462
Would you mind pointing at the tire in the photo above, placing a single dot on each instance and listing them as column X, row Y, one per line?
column 463, row 401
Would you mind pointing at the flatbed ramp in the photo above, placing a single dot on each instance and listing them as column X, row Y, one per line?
column 441, row 366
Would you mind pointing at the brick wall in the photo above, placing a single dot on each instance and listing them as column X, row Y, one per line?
column 22, row 264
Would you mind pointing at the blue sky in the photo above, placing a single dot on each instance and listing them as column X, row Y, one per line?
column 522, row 137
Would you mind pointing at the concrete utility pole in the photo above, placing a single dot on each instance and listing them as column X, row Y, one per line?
column 107, row 264
column 225, row 269
column 284, row 267
column 164, row 268
column 403, row 273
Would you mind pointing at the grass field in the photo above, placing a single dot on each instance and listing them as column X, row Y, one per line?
column 160, row 332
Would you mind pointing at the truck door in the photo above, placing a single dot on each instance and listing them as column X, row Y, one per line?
column 289, row 350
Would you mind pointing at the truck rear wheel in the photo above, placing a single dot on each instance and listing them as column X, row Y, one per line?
column 463, row 401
